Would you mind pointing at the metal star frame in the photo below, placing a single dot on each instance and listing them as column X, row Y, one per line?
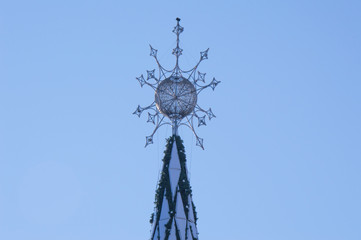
column 176, row 94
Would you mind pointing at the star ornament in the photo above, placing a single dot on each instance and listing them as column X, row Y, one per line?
column 176, row 94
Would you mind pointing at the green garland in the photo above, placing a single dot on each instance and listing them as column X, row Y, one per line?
column 164, row 184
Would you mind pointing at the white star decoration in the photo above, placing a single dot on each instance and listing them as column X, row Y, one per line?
column 176, row 94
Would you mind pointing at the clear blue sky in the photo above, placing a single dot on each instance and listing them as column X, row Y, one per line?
column 282, row 158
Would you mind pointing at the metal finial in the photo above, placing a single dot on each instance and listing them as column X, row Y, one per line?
column 176, row 94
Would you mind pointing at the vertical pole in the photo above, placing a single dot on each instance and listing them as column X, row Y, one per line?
column 175, row 127
column 177, row 56
column 175, row 121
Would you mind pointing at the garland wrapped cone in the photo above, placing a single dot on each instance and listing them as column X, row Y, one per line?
column 175, row 216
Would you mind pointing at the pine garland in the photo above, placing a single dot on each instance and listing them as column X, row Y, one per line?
column 164, row 185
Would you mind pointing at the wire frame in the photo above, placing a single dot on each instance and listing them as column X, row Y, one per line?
column 176, row 98
column 176, row 94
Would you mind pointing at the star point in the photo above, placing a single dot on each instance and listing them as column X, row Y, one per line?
column 141, row 80
column 204, row 55
column 153, row 51
column 200, row 142
column 214, row 83
column 201, row 77
column 151, row 118
column 177, row 51
column 148, row 140
column 210, row 114
column 138, row 111
column 150, row 74
column 202, row 121
column 178, row 29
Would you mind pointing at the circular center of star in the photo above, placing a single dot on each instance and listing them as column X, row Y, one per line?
column 176, row 97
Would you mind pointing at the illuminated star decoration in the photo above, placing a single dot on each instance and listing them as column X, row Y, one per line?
column 176, row 94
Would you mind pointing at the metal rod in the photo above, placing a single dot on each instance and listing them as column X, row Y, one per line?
column 175, row 127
